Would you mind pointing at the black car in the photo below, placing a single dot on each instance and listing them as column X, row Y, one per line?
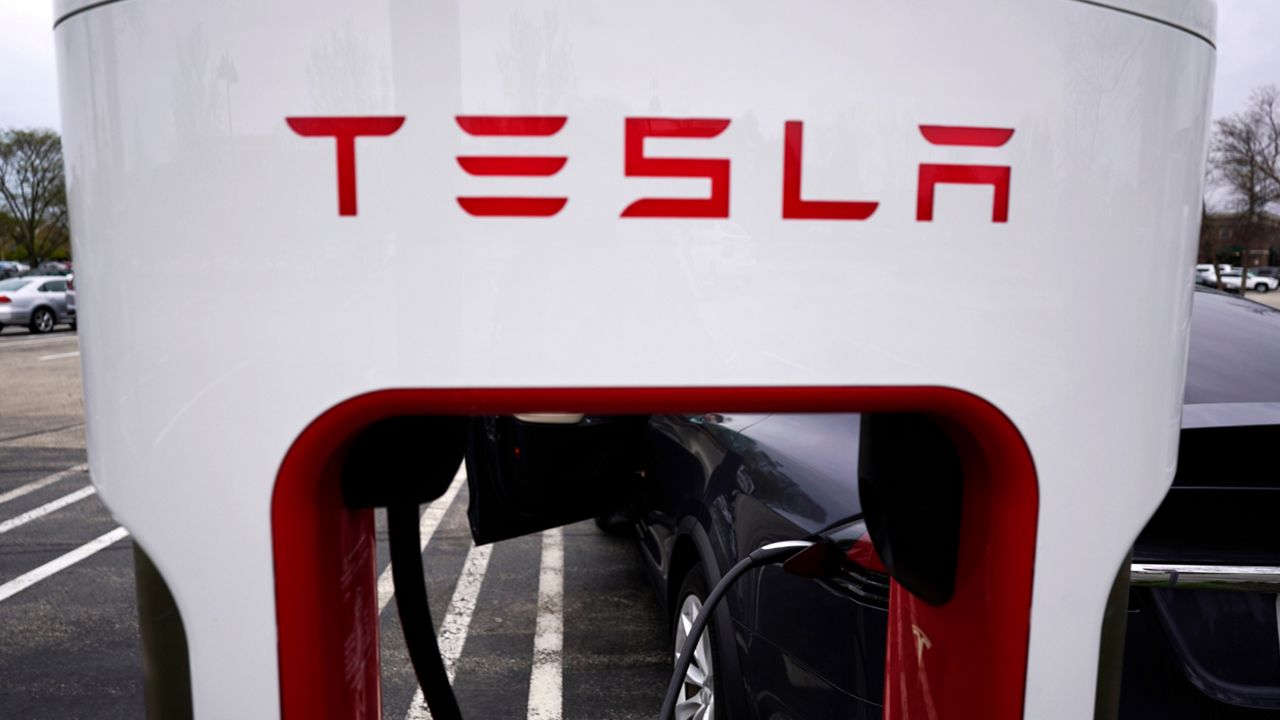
column 701, row 491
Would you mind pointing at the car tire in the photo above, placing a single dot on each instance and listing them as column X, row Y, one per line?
column 615, row 523
column 702, row 682
column 1261, row 288
column 42, row 320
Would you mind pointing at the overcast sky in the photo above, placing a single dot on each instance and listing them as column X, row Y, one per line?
column 1248, row 56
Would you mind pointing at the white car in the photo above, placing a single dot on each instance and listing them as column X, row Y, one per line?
column 38, row 302
column 1256, row 283
column 1207, row 273
column 71, row 300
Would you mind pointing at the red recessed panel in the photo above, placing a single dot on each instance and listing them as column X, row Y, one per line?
column 962, row 660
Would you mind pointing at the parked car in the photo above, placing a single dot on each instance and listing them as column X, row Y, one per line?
column 50, row 267
column 11, row 268
column 36, row 301
column 1256, row 283
column 711, row 487
column 71, row 299
column 1207, row 273
column 1270, row 271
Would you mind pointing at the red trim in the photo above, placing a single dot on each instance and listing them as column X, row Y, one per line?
column 969, row 136
column 968, row 658
column 325, row 594
column 519, row 125
column 512, row 166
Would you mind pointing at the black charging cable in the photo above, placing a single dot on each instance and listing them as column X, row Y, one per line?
column 401, row 463
column 405, row 540
column 767, row 555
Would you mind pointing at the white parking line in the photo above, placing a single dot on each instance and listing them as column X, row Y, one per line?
column 59, row 356
column 45, row 509
column 546, row 685
column 22, row 582
column 457, row 621
column 21, row 343
column 431, row 518
column 45, row 481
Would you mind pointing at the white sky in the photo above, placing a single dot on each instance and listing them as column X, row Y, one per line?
column 1248, row 56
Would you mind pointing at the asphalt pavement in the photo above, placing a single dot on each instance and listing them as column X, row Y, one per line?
column 575, row 599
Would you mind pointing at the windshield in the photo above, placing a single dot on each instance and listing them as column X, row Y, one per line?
column 14, row 284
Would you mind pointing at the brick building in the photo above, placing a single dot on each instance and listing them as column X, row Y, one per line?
column 1225, row 238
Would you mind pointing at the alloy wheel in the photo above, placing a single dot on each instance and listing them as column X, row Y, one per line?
column 696, row 700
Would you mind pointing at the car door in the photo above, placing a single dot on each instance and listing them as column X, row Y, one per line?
column 799, row 477
column 690, row 461
column 54, row 294
column 527, row 473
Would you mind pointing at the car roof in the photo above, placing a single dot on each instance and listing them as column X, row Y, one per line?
column 1235, row 350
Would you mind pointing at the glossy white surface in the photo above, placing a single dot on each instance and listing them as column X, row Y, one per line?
column 187, row 186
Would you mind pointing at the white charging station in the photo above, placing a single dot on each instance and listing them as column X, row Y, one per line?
column 291, row 219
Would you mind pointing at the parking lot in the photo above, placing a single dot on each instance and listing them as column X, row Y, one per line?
column 68, row 618
column 561, row 624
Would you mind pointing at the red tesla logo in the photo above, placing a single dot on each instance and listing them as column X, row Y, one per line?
column 345, row 130
column 513, row 126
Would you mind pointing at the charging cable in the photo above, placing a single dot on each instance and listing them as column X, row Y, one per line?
column 420, row 636
column 403, row 535
column 770, row 554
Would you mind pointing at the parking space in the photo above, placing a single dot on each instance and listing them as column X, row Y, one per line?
column 555, row 625
column 1269, row 298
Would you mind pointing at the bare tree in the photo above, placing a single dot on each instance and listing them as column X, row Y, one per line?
column 1244, row 158
column 33, row 191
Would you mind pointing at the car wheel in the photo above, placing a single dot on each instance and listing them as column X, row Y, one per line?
column 1261, row 288
column 701, row 687
column 42, row 320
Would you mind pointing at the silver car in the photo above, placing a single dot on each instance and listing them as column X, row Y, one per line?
column 37, row 301
column 71, row 299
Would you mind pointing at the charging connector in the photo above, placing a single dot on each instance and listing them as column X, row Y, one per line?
column 771, row 554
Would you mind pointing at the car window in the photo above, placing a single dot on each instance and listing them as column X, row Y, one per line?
column 54, row 286
column 14, row 284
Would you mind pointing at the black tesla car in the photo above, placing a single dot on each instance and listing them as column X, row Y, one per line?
column 699, row 492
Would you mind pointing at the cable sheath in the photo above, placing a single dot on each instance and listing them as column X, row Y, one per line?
column 763, row 556
column 415, row 613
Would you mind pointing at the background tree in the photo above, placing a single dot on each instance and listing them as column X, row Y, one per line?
column 1244, row 159
column 6, row 232
column 33, row 192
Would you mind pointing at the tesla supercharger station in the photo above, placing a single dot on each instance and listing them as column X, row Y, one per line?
column 292, row 219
